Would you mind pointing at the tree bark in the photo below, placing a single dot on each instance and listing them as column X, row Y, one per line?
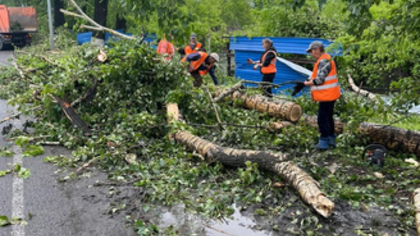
column 393, row 138
column 58, row 16
column 276, row 108
column 416, row 200
column 100, row 14
column 307, row 187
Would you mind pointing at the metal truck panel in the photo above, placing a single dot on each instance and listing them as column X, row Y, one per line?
column 4, row 19
column 23, row 19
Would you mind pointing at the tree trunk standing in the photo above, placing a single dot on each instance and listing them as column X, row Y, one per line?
column 121, row 23
column 101, row 11
column 58, row 16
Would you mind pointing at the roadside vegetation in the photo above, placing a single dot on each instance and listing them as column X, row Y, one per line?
column 128, row 126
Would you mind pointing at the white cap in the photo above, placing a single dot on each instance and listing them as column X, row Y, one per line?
column 215, row 56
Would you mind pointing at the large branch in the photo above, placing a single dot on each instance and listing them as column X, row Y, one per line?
column 96, row 26
column 279, row 164
column 362, row 92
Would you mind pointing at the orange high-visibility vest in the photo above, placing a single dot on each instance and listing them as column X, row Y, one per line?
column 195, row 64
column 206, row 71
column 329, row 90
column 271, row 68
column 189, row 50
column 166, row 47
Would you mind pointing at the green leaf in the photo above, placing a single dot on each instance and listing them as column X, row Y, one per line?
column 4, row 220
column 33, row 150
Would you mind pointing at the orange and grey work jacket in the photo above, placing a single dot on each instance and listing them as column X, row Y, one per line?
column 167, row 48
column 270, row 68
column 330, row 89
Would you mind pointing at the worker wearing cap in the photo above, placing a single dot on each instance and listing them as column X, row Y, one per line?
column 200, row 63
column 325, row 90
column 267, row 63
column 166, row 49
column 193, row 46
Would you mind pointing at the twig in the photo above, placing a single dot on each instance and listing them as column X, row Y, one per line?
column 86, row 164
column 18, row 114
column 29, row 139
column 49, row 143
column 20, row 71
column 230, row 124
column 218, row 230
column 214, row 107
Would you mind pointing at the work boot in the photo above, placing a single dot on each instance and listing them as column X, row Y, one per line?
column 333, row 144
column 323, row 143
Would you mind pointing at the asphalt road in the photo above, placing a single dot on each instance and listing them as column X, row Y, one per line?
column 52, row 208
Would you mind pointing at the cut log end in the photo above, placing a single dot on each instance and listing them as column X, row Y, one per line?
column 295, row 113
column 324, row 206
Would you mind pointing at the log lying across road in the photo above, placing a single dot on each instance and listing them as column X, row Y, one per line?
column 279, row 164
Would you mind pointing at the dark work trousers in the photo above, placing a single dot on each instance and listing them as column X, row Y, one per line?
column 325, row 118
column 268, row 78
column 198, row 80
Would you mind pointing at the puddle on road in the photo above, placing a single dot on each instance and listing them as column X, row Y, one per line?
column 190, row 224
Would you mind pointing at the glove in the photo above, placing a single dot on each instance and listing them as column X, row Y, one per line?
column 249, row 61
column 255, row 67
column 297, row 88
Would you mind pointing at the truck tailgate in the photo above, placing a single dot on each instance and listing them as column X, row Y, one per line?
column 23, row 19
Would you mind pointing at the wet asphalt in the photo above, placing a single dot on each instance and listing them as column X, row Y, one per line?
column 50, row 207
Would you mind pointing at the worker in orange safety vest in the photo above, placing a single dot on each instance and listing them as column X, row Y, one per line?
column 199, row 64
column 267, row 63
column 166, row 49
column 325, row 90
column 193, row 46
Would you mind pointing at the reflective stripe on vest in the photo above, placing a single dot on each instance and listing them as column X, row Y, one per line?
column 330, row 89
column 188, row 50
column 271, row 68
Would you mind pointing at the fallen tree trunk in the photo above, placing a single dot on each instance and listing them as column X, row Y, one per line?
column 307, row 187
column 313, row 121
column 393, row 138
column 416, row 201
column 285, row 110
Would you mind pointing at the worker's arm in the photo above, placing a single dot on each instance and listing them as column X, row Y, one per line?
column 213, row 75
column 324, row 68
column 193, row 57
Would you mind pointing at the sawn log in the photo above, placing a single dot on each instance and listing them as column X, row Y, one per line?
column 283, row 109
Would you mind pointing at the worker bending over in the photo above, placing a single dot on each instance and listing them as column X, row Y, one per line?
column 325, row 90
column 199, row 64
